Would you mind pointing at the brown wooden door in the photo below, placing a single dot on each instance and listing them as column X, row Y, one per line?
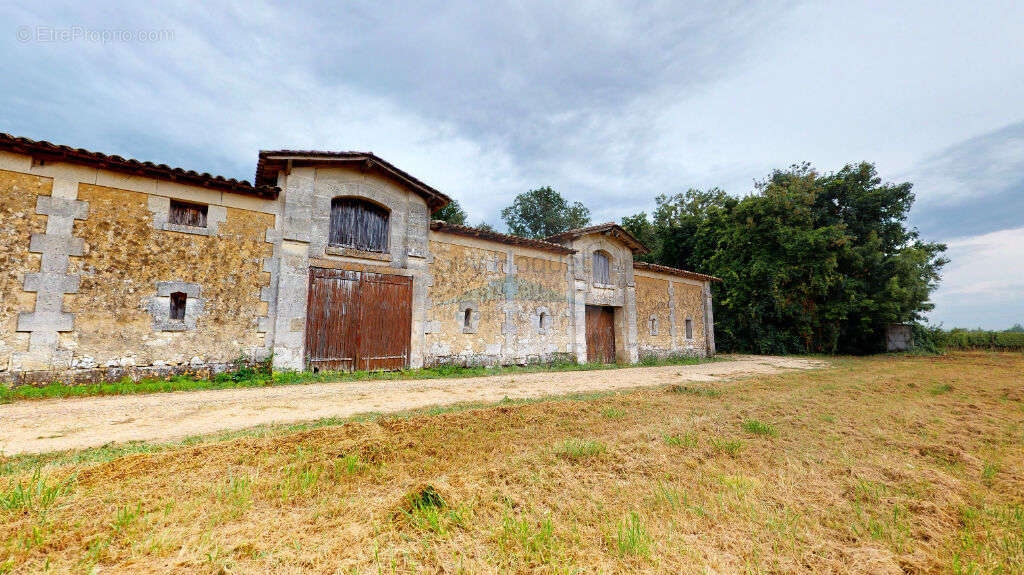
column 357, row 320
column 385, row 321
column 600, row 334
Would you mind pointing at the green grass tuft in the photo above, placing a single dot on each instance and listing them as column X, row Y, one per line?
column 632, row 537
column 759, row 428
column 730, row 447
column 693, row 390
column 577, row 449
column 684, row 440
column 35, row 495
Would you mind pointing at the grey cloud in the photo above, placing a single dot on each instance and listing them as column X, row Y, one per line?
column 973, row 187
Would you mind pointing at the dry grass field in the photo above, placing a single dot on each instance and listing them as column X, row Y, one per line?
column 876, row 465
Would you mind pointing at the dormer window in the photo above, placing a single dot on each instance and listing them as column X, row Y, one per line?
column 358, row 224
column 602, row 268
column 186, row 214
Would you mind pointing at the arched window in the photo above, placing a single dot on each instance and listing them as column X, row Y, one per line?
column 467, row 318
column 602, row 268
column 544, row 320
column 653, row 324
column 358, row 224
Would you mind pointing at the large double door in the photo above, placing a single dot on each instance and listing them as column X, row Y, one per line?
column 358, row 320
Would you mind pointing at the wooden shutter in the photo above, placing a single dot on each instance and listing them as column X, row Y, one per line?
column 602, row 272
column 185, row 214
column 358, row 224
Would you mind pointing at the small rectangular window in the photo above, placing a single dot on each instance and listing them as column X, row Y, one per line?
column 689, row 328
column 186, row 214
column 178, row 300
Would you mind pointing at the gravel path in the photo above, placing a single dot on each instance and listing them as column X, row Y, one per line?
column 58, row 424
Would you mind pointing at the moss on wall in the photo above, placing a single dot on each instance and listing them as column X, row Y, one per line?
column 124, row 258
column 18, row 221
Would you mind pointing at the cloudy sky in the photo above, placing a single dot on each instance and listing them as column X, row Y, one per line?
column 610, row 103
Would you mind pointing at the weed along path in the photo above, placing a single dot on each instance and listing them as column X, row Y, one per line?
column 59, row 424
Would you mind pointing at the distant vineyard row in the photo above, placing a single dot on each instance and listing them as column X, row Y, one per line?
column 973, row 339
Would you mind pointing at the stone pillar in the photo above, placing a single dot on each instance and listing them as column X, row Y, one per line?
column 579, row 288
column 709, row 321
column 632, row 347
column 293, row 269
column 673, row 323
column 56, row 247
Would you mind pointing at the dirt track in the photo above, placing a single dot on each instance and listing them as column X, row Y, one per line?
column 58, row 424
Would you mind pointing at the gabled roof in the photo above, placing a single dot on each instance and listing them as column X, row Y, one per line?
column 674, row 271
column 442, row 226
column 43, row 150
column 611, row 229
column 272, row 161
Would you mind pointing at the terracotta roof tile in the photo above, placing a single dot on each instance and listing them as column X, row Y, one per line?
column 46, row 150
column 272, row 161
column 674, row 271
column 615, row 229
column 442, row 226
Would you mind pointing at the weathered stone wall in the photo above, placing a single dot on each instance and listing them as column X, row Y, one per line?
column 671, row 300
column 542, row 314
column 654, row 306
column 517, row 300
column 689, row 299
column 465, row 278
column 129, row 268
column 18, row 222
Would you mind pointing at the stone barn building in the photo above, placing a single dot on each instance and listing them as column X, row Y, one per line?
column 329, row 260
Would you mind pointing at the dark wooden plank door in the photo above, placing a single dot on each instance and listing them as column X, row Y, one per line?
column 357, row 320
column 332, row 320
column 385, row 321
column 600, row 334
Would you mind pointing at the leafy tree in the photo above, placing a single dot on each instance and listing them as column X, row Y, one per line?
column 810, row 262
column 451, row 213
column 543, row 212
column 642, row 229
column 485, row 227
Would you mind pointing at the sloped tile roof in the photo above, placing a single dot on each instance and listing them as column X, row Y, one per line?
column 442, row 226
column 45, row 150
column 272, row 161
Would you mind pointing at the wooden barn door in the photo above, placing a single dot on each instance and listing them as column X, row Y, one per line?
column 600, row 334
column 357, row 320
column 385, row 321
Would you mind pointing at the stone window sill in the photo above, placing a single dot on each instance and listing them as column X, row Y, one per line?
column 169, row 227
column 354, row 253
column 170, row 325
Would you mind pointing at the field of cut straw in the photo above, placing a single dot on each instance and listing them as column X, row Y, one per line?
column 875, row 465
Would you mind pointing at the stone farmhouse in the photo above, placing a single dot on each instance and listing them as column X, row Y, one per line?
column 111, row 267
